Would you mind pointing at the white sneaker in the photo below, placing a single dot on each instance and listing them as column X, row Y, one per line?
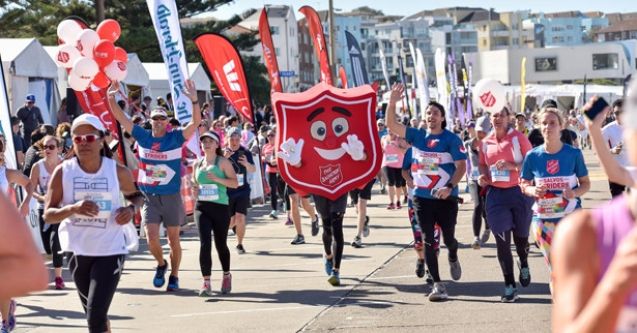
column 438, row 292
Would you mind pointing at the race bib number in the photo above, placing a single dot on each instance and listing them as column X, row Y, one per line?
column 241, row 179
column 156, row 172
column 429, row 165
column 550, row 208
column 104, row 201
column 500, row 175
column 208, row 192
column 391, row 158
column 475, row 173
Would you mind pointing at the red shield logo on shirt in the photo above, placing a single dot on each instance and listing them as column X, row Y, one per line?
column 487, row 99
column 155, row 146
column 552, row 166
column 324, row 117
column 432, row 143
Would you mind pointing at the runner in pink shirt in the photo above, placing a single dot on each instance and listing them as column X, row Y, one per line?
column 393, row 153
column 508, row 209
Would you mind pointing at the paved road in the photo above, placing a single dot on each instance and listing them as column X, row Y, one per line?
column 278, row 287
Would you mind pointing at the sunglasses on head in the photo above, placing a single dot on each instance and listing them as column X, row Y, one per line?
column 50, row 147
column 158, row 118
column 88, row 138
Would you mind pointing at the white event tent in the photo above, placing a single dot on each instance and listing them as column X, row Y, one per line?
column 28, row 69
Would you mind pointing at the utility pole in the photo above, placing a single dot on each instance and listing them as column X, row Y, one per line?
column 330, row 17
column 99, row 10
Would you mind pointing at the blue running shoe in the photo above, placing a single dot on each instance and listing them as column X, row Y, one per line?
column 11, row 320
column 160, row 276
column 173, row 283
column 328, row 266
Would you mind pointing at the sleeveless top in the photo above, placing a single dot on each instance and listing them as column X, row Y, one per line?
column 4, row 182
column 210, row 191
column 614, row 221
column 43, row 180
column 92, row 236
column 393, row 155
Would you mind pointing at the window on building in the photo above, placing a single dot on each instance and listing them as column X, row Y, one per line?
column 484, row 42
column 276, row 50
column 546, row 64
column 605, row 61
column 448, row 38
column 569, row 27
column 274, row 30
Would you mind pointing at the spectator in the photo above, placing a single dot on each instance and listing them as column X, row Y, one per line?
column 247, row 134
column 613, row 135
column 33, row 152
column 31, row 118
column 63, row 114
column 170, row 108
column 147, row 104
column 18, row 142
column 63, row 133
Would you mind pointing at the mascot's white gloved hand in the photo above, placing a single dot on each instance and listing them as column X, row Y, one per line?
column 291, row 151
column 354, row 147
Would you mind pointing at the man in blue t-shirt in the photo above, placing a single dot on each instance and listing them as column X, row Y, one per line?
column 159, row 179
column 438, row 163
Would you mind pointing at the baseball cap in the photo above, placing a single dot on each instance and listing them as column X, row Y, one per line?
column 211, row 135
column 471, row 124
column 483, row 124
column 520, row 115
column 30, row 98
column 158, row 112
column 233, row 131
column 549, row 103
column 88, row 119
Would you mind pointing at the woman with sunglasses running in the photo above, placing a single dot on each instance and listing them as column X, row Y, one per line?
column 10, row 177
column 40, row 174
column 84, row 198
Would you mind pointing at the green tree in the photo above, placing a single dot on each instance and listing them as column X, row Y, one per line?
column 39, row 19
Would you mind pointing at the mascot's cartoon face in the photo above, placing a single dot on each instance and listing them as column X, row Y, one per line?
column 325, row 117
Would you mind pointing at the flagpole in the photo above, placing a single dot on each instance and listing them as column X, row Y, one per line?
column 332, row 59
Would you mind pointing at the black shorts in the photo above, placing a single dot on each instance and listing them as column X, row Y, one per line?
column 289, row 190
column 327, row 207
column 394, row 177
column 364, row 193
column 239, row 205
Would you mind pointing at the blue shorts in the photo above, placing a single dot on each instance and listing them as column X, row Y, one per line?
column 509, row 209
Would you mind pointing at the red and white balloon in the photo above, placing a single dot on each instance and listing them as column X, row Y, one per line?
column 90, row 56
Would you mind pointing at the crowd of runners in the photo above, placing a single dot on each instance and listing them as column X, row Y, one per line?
column 525, row 173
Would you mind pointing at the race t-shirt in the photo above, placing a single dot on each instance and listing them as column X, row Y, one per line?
column 432, row 160
column 392, row 153
column 242, row 173
column 556, row 172
column 159, row 161
column 511, row 148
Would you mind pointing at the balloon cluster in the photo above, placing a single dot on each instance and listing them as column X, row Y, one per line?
column 91, row 55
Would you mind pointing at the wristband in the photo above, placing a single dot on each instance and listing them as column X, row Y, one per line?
column 449, row 186
column 195, row 102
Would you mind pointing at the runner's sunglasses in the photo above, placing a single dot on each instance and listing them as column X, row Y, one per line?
column 88, row 138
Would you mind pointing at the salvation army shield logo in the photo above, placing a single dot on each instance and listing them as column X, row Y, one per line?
column 552, row 166
column 324, row 117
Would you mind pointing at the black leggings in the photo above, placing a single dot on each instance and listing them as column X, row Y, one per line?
column 51, row 241
column 332, row 213
column 277, row 189
column 444, row 213
column 96, row 279
column 213, row 217
column 479, row 211
column 505, row 257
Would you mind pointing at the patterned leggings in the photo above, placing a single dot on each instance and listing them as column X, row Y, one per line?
column 543, row 231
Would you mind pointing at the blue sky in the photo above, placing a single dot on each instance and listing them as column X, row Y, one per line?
column 403, row 7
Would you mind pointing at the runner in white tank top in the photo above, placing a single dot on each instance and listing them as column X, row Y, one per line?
column 40, row 174
column 84, row 198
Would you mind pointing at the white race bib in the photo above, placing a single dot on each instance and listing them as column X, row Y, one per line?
column 500, row 175
column 550, row 208
column 391, row 158
column 208, row 192
column 241, row 179
column 156, row 172
column 429, row 165
column 104, row 201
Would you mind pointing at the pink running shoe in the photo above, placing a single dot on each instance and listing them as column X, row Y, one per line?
column 59, row 283
column 226, row 284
